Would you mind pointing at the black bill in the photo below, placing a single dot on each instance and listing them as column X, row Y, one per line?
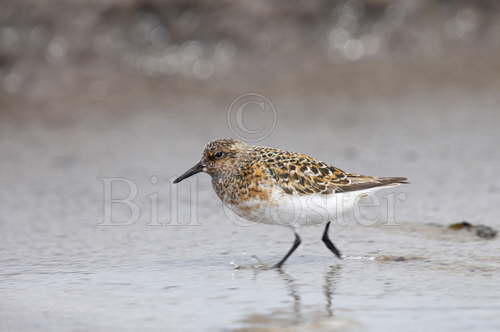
column 192, row 171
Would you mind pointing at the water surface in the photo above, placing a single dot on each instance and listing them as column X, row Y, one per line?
column 61, row 271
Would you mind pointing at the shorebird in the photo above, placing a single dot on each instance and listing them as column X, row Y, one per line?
column 274, row 186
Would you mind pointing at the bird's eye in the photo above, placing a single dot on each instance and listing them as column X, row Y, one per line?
column 219, row 155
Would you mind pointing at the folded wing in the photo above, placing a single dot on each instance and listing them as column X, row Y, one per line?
column 300, row 174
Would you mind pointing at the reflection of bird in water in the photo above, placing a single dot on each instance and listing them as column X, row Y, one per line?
column 292, row 291
column 331, row 278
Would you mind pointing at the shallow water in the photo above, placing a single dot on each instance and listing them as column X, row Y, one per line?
column 61, row 270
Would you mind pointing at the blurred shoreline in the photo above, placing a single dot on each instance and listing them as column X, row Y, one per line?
column 73, row 89
column 116, row 53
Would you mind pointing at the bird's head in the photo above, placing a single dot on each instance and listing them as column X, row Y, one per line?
column 219, row 157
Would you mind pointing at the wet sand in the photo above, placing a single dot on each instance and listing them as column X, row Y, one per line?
column 62, row 271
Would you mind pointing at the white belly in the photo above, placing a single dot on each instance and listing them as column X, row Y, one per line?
column 289, row 210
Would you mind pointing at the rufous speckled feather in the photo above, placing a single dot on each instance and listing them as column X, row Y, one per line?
column 249, row 167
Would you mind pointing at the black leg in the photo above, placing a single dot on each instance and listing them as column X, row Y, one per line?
column 329, row 243
column 296, row 243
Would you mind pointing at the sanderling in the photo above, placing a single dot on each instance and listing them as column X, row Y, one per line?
column 278, row 187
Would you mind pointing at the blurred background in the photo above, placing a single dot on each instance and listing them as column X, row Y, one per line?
column 135, row 89
column 94, row 51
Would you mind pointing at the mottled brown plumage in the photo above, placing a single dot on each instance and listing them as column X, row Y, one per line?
column 245, row 171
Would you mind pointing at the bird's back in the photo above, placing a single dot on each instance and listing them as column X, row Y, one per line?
column 276, row 186
column 300, row 174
